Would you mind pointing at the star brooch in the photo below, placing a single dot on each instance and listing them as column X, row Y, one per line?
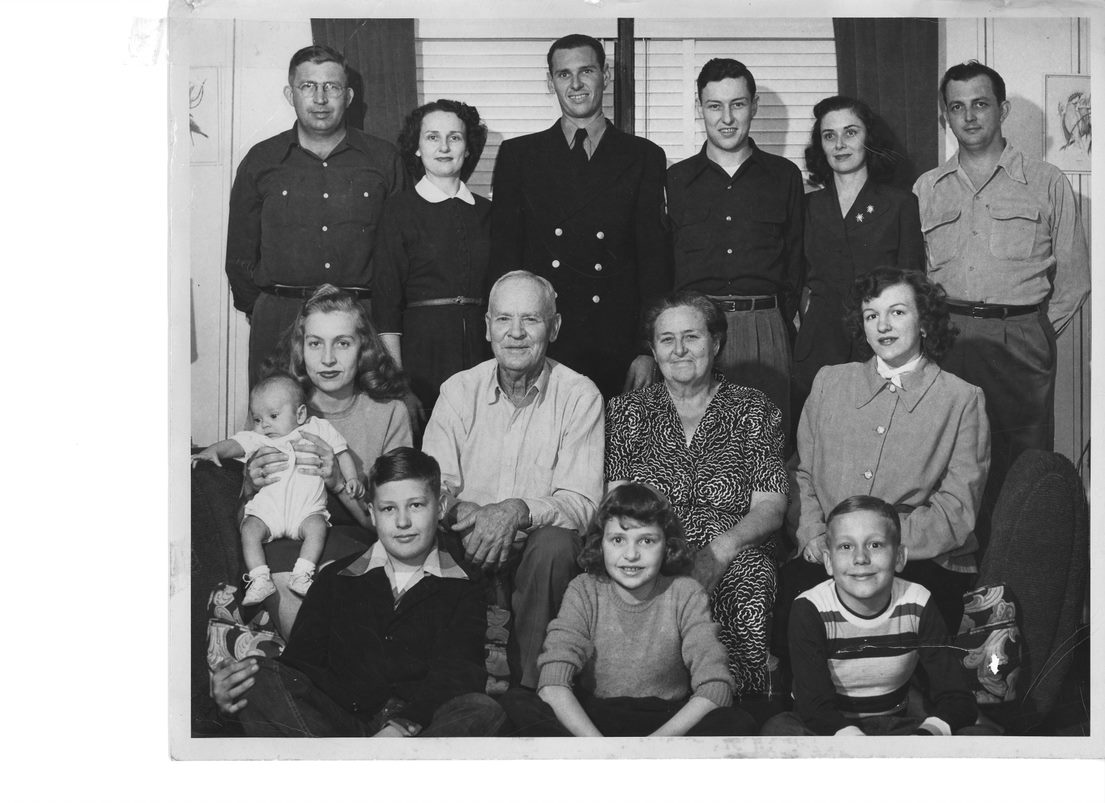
column 859, row 216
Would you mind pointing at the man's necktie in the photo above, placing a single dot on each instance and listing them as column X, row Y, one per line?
column 579, row 154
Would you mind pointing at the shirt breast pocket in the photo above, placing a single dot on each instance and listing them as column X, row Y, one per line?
column 940, row 230
column 767, row 222
column 693, row 233
column 1014, row 231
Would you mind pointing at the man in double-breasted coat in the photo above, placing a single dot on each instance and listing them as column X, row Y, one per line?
column 582, row 204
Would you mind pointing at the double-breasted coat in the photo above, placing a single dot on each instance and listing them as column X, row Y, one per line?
column 597, row 232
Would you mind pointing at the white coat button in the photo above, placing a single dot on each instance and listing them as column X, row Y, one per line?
column 558, row 232
column 324, row 228
column 595, row 299
column 893, row 388
column 598, row 266
column 366, row 195
column 285, row 192
column 325, row 165
column 880, row 429
column 326, row 195
column 327, row 266
column 728, row 218
column 728, row 250
column 556, row 263
column 600, row 235
column 867, row 475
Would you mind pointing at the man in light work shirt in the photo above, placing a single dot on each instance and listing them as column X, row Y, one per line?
column 736, row 215
column 582, row 204
column 305, row 205
column 520, row 442
column 1004, row 237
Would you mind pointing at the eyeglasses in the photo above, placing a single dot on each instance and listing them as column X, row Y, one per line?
column 330, row 89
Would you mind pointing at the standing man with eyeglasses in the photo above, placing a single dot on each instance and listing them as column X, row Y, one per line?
column 305, row 204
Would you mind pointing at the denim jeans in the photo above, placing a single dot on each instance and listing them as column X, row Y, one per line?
column 284, row 702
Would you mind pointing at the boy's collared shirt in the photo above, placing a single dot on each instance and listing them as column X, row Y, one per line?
column 437, row 564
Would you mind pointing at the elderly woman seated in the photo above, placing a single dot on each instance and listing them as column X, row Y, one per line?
column 715, row 450
column 899, row 428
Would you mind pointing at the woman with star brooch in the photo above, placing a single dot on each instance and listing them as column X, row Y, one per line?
column 854, row 224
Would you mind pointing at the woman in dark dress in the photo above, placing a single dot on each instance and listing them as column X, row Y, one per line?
column 431, row 267
column 854, row 224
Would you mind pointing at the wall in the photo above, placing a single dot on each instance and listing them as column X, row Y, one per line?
column 251, row 60
column 1024, row 50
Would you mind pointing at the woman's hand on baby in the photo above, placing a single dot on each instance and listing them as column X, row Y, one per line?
column 230, row 682
column 265, row 466
column 814, row 549
column 313, row 455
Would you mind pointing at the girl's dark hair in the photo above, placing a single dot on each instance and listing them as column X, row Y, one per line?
column 475, row 135
column 645, row 505
column 377, row 373
column 879, row 143
column 716, row 324
column 932, row 309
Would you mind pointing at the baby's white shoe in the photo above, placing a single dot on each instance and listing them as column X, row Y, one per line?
column 258, row 588
column 300, row 582
column 303, row 574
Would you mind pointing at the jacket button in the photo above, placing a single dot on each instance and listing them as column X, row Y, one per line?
column 558, row 231
column 556, row 263
column 600, row 235
column 880, row 429
column 598, row 266
column 868, row 475
column 595, row 299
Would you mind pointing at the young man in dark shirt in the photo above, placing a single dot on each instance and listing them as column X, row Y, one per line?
column 736, row 215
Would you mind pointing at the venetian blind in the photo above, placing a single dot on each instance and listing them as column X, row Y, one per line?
column 499, row 67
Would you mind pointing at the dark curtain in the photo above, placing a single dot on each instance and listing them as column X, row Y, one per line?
column 892, row 65
column 380, row 55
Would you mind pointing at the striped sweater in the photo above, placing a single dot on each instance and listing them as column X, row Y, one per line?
column 847, row 666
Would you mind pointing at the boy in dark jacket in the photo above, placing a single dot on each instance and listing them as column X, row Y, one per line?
column 387, row 643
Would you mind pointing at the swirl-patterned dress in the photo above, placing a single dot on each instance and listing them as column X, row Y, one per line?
column 736, row 450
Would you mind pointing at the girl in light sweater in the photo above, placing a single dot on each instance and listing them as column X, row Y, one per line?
column 633, row 651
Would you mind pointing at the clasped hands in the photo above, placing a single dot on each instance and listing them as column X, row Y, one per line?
column 489, row 531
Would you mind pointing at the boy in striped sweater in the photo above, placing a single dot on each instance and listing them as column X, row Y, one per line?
column 857, row 639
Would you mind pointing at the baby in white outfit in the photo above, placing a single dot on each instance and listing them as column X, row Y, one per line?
column 295, row 505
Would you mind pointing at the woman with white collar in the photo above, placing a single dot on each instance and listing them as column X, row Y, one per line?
column 429, row 278
column 899, row 428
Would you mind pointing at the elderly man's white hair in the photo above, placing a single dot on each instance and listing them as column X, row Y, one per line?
column 546, row 286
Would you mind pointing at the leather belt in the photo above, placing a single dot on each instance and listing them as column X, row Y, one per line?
column 991, row 310
column 462, row 301
column 287, row 291
column 745, row 303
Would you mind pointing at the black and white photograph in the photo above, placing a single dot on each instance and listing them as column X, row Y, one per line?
column 580, row 384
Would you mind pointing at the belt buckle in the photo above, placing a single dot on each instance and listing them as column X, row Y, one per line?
column 458, row 300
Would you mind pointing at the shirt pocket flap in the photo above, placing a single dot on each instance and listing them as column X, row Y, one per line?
column 1013, row 212
column 936, row 218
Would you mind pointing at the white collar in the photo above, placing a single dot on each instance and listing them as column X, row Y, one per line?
column 435, row 195
column 895, row 374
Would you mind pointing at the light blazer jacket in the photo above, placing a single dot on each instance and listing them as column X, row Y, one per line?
column 924, row 448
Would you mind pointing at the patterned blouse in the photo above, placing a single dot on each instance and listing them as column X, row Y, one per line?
column 736, row 450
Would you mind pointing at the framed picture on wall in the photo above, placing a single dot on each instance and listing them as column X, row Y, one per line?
column 1067, row 133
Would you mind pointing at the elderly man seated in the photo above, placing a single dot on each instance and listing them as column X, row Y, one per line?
column 520, row 443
